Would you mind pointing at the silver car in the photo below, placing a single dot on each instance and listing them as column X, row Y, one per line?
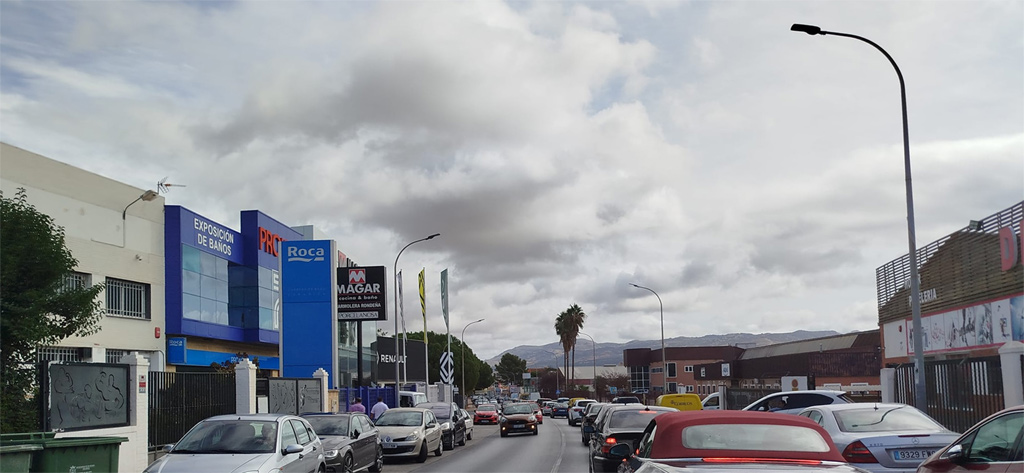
column 409, row 432
column 881, row 437
column 261, row 443
column 792, row 402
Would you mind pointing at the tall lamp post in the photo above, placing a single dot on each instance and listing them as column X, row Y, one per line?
column 594, row 362
column 464, row 360
column 664, row 361
column 920, row 395
column 397, row 358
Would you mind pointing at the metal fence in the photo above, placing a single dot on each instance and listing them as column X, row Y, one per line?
column 177, row 401
column 960, row 392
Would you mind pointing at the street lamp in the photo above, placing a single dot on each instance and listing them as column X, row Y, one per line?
column 595, row 361
column 664, row 361
column 920, row 395
column 464, row 360
column 397, row 358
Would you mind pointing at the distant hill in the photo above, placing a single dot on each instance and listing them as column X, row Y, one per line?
column 550, row 355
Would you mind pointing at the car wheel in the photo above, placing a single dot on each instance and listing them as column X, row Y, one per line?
column 536, row 431
column 462, row 443
column 440, row 449
column 322, row 469
column 469, row 435
column 348, row 464
column 378, row 463
column 422, row 457
column 504, row 434
column 584, row 440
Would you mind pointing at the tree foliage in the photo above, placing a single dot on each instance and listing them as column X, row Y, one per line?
column 437, row 343
column 486, row 378
column 38, row 306
column 567, row 326
column 510, row 369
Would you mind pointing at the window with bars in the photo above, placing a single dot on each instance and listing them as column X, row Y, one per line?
column 127, row 298
column 115, row 355
column 76, row 280
column 59, row 354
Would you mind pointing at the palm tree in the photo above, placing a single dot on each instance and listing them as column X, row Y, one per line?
column 562, row 329
column 574, row 322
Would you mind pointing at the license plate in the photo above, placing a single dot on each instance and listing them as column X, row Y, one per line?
column 912, row 454
column 389, row 445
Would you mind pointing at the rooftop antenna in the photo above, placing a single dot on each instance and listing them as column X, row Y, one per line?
column 162, row 186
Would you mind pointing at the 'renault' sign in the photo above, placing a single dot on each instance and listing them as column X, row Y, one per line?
column 362, row 293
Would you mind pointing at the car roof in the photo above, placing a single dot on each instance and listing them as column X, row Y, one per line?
column 264, row 417
column 670, row 431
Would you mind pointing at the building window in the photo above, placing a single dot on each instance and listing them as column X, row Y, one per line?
column 671, row 370
column 59, row 354
column 127, row 298
column 689, row 388
column 673, row 387
column 204, row 283
column 688, row 369
column 639, row 379
column 76, row 280
column 114, row 355
column 657, row 370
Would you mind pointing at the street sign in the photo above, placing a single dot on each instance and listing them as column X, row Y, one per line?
column 447, row 368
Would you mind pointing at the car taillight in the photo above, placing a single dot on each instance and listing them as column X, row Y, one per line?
column 856, row 452
column 608, row 444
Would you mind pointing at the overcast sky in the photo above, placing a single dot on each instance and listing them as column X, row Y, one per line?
column 750, row 175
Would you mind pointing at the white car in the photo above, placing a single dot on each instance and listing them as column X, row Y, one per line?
column 881, row 437
column 576, row 411
column 792, row 402
column 409, row 432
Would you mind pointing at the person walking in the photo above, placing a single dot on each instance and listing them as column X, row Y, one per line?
column 378, row 409
column 357, row 406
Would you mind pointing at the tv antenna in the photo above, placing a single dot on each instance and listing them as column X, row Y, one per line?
column 163, row 185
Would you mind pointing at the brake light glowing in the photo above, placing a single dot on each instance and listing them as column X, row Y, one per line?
column 608, row 444
column 856, row 452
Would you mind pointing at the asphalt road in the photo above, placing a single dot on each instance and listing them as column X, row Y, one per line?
column 555, row 448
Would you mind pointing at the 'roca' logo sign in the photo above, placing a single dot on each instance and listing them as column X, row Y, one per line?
column 305, row 255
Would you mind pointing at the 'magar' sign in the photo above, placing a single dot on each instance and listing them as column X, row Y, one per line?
column 362, row 293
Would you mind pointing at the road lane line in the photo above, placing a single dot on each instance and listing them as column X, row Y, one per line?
column 561, row 451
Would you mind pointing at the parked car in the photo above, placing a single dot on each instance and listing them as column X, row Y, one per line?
column 881, row 437
column 453, row 429
column 411, row 398
column 560, row 409
column 486, row 414
column 589, row 414
column 622, row 425
column 792, row 402
column 681, row 402
column 995, row 444
column 731, row 441
column 576, row 410
column 625, row 400
column 350, row 441
column 545, row 408
column 409, row 432
column 711, row 402
column 262, row 443
column 518, row 418
column 468, row 421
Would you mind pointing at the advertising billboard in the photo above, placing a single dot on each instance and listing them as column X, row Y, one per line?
column 362, row 293
column 414, row 361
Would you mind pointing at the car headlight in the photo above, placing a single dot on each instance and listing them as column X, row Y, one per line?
column 329, row 454
column 415, row 435
column 446, row 426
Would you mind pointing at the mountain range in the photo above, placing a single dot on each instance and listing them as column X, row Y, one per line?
column 550, row 355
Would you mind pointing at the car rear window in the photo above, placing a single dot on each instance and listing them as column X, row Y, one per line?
column 890, row 419
column 759, row 437
column 632, row 419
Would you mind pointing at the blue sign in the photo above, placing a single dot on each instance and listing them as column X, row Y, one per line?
column 177, row 350
column 308, row 321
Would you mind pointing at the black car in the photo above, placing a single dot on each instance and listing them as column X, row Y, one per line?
column 453, row 426
column 589, row 415
column 619, row 424
column 350, row 441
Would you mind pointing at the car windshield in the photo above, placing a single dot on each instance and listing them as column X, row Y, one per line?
column 329, row 425
column 399, row 419
column 518, row 409
column 441, row 411
column 631, row 419
column 229, row 436
column 889, row 419
column 760, row 437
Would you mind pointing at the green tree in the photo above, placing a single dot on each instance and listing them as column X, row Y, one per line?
column 568, row 326
column 486, row 378
column 437, row 343
column 38, row 306
column 562, row 330
column 511, row 368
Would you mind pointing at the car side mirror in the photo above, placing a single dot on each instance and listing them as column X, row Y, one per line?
column 431, row 425
column 168, row 447
column 293, row 448
column 621, row 450
column 955, row 454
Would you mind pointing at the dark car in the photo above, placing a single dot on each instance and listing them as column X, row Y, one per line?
column 994, row 444
column 560, row 409
column 589, row 415
column 350, row 441
column 518, row 418
column 622, row 424
column 453, row 426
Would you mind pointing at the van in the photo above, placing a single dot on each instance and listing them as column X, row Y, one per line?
column 411, row 398
column 682, row 402
column 712, row 402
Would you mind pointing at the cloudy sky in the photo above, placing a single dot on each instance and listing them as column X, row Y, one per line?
column 750, row 175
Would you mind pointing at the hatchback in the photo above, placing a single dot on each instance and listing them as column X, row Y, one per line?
column 792, row 402
column 995, row 444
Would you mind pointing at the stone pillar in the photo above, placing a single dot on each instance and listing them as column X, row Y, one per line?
column 1013, row 385
column 137, row 448
column 722, row 403
column 245, row 387
column 322, row 376
column 888, row 381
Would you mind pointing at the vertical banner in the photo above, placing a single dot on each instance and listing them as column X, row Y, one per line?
column 405, row 339
column 423, row 308
column 444, row 296
column 401, row 303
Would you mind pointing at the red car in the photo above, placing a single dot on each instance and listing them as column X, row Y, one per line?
column 731, row 440
column 486, row 414
column 995, row 444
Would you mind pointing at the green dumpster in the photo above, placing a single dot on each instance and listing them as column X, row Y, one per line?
column 70, row 454
column 17, row 458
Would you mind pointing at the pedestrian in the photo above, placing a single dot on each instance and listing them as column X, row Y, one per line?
column 378, row 409
column 357, row 406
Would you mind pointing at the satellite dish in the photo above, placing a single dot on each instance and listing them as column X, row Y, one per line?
column 162, row 186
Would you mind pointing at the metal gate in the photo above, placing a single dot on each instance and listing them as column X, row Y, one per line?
column 290, row 395
column 178, row 401
column 960, row 392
